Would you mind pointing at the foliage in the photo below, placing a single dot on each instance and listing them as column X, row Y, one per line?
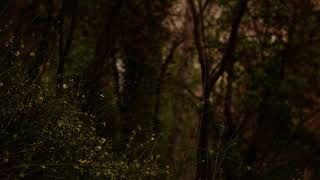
column 48, row 136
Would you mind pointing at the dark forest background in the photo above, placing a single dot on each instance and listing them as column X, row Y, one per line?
column 160, row 89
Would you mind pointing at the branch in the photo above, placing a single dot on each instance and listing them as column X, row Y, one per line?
column 205, row 5
column 197, row 35
column 227, row 59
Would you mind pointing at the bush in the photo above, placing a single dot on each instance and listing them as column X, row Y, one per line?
column 48, row 136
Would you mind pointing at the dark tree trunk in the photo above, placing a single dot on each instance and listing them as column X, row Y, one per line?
column 204, row 164
column 65, row 47
column 42, row 55
column 105, row 49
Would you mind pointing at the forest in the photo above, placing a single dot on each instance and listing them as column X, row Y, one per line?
column 160, row 89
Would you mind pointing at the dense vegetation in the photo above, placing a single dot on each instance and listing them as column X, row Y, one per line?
column 160, row 89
